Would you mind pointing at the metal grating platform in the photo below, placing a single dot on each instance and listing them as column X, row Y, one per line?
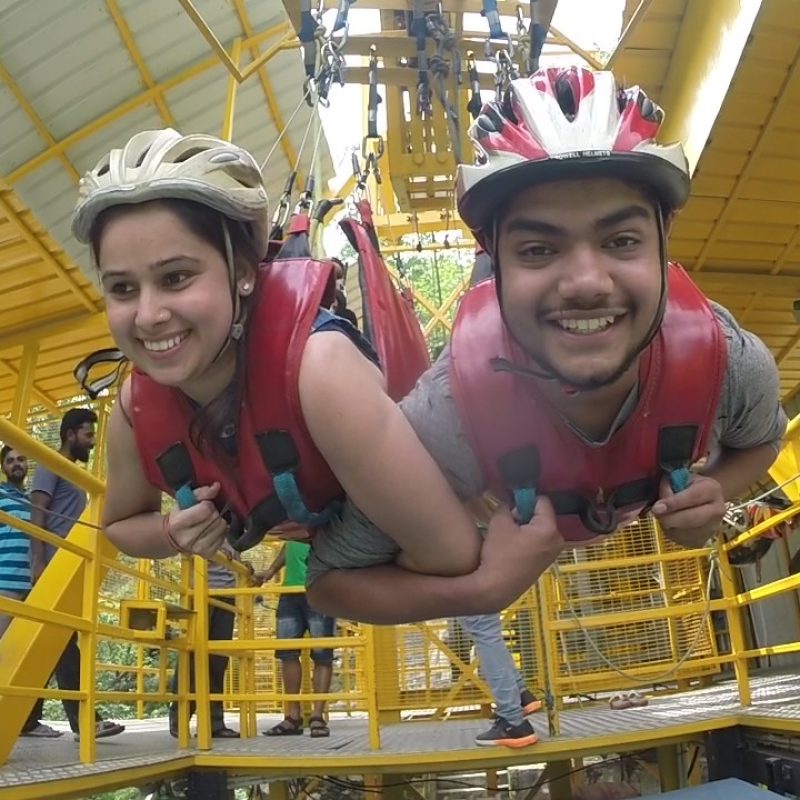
column 146, row 750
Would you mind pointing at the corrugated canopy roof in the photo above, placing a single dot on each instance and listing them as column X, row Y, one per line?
column 80, row 77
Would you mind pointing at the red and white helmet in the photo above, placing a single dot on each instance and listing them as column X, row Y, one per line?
column 561, row 123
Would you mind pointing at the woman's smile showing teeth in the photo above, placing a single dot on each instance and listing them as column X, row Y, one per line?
column 164, row 345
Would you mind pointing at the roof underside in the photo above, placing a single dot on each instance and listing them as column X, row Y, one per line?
column 78, row 78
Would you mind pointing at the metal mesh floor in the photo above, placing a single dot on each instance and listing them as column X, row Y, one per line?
column 147, row 743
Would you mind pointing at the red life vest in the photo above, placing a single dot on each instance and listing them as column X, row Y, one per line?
column 520, row 440
column 271, row 435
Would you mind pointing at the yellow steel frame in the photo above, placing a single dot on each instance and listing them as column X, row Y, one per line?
column 136, row 56
column 383, row 698
column 145, row 97
column 76, row 605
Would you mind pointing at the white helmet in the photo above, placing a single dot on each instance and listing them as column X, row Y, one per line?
column 567, row 122
column 163, row 164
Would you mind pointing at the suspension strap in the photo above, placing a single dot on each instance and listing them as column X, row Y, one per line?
column 374, row 99
column 537, row 37
column 341, row 15
column 419, row 30
column 308, row 34
column 440, row 68
column 493, row 19
column 475, row 102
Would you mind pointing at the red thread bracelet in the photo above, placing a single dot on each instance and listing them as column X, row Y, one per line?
column 165, row 527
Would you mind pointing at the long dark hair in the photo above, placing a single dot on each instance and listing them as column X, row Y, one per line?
column 210, row 423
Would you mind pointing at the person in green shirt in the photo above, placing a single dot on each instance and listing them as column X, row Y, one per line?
column 293, row 618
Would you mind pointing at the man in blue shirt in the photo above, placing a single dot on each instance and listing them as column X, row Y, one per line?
column 15, row 555
column 15, row 546
column 56, row 505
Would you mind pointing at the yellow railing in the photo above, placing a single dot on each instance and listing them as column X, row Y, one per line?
column 635, row 611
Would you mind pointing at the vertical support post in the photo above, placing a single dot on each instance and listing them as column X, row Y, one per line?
column 87, row 640
column 201, row 672
column 560, row 784
column 668, row 767
column 101, row 431
column 139, row 682
column 664, row 571
column 183, row 664
column 735, row 627
column 22, row 394
column 230, row 100
column 547, row 581
column 385, row 671
column 370, row 687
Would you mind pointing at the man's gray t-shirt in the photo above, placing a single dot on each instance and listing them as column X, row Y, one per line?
column 220, row 577
column 749, row 414
column 67, row 503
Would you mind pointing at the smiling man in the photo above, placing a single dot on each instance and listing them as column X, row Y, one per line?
column 589, row 368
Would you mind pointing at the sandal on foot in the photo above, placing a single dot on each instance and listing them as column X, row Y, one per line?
column 620, row 701
column 637, row 700
column 318, row 728
column 286, row 727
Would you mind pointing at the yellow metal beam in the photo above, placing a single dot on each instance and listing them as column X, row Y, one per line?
column 230, row 99
column 44, row 398
column 129, row 105
column 226, row 60
column 459, row 244
column 712, row 38
column 266, row 84
column 51, row 459
column 632, row 18
column 133, row 51
column 561, row 38
column 216, row 46
column 67, row 323
column 34, row 240
column 22, row 393
column 784, row 98
column 41, row 128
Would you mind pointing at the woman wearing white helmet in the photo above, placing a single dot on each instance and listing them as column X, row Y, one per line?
column 232, row 398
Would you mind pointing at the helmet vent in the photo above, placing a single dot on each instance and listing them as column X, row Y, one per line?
column 187, row 154
column 565, row 94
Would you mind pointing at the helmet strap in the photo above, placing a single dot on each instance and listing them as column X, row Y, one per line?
column 237, row 323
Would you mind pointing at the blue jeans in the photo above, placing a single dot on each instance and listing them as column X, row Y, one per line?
column 497, row 666
column 294, row 617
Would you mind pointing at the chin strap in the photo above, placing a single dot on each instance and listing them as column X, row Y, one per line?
column 237, row 323
column 499, row 364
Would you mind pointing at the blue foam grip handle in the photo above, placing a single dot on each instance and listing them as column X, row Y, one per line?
column 185, row 497
column 525, row 504
column 288, row 493
column 679, row 479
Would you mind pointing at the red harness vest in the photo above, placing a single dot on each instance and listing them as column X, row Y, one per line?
column 271, row 434
column 593, row 489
